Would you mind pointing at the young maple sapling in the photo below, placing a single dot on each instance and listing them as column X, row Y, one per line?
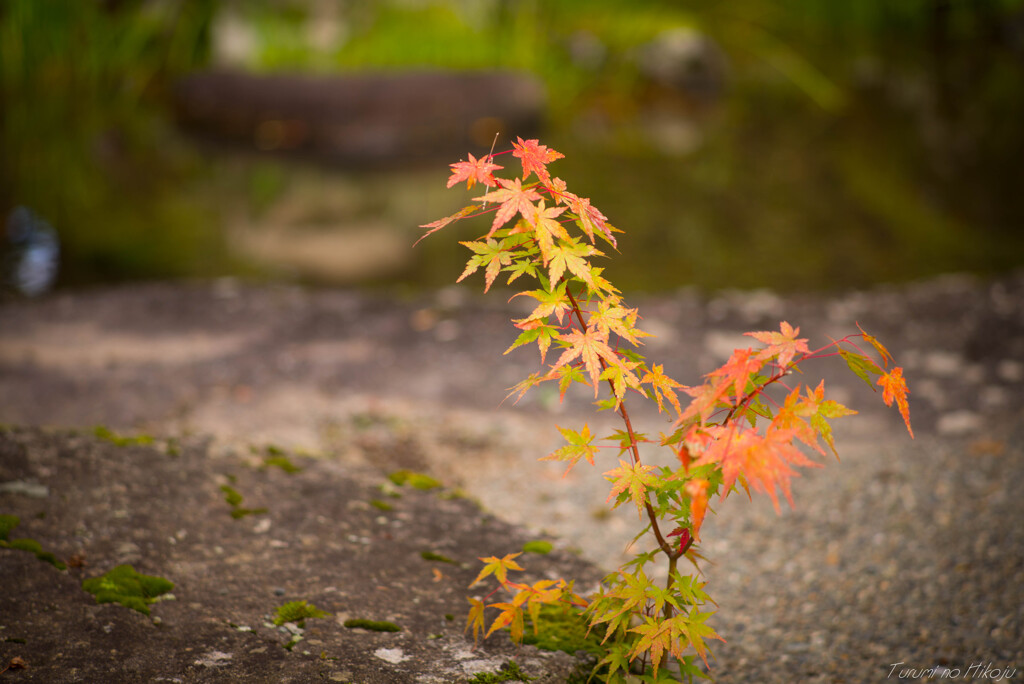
column 741, row 426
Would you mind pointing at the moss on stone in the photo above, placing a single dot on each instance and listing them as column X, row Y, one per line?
column 372, row 625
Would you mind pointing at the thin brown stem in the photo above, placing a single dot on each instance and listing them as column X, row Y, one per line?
column 633, row 442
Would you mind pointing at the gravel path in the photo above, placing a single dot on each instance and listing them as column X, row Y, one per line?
column 905, row 557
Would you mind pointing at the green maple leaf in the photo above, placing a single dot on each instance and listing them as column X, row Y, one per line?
column 580, row 445
column 861, row 365
column 571, row 255
column 693, row 629
column 535, row 331
column 634, row 477
column 490, row 254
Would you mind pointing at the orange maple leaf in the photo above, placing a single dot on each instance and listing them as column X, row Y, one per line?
column 737, row 370
column 662, row 386
column 764, row 461
column 879, row 347
column 592, row 346
column 698, row 491
column 783, row 345
column 535, row 157
column 512, row 198
column 474, row 171
column 895, row 387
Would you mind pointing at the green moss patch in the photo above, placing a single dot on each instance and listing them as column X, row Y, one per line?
column 234, row 499
column 129, row 588
column 109, row 435
column 538, row 546
column 7, row 525
column 372, row 625
column 509, row 672
column 413, row 479
column 563, row 629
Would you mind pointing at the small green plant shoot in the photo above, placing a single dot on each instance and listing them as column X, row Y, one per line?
column 738, row 428
column 297, row 612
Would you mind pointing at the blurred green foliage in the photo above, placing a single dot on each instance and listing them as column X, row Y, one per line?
column 855, row 142
column 86, row 138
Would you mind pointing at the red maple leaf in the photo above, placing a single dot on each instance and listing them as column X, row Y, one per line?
column 474, row 171
column 535, row 157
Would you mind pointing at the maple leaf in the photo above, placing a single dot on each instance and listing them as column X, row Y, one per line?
column 792, row 413
column 589, row 218
column 550, row 302
column 546, row 229
column 762, row 461
column 655, row 638
column 783, row 345
column 580, row 445
column 692, row 628
column 895, row 387
column 512, row 198
column 819, row 408
column 632, row 591
column 524, row 386
column 860, row 365
column 698, row 493
column 621, row 375
column 535, row 157
column 475, row 618
column 634, row 477
column 441, row 223
column 882, row 351
column 591, row 346
column 617, row 319
column 511, row 616
column 737, row 370
column 663, row 387
column 489, row 254
column 498, row 567
column 535, row 331
column 474, row 171
column 571, row 255
column 706, row 399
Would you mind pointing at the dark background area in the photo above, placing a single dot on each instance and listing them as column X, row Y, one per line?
column 800, row 144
